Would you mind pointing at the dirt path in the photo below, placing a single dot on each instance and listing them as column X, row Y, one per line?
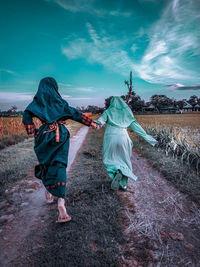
column 162, row 225
column 151, row 225
column 27, row 209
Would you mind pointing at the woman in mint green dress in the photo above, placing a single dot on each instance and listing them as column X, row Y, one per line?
column 117, row 145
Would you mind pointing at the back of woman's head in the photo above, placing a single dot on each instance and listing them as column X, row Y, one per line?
column 48, row 83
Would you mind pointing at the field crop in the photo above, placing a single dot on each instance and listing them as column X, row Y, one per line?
column 12, row 130
column 13, row 126
column 178, row 134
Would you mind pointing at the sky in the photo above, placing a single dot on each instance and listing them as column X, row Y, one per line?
column 90, row 47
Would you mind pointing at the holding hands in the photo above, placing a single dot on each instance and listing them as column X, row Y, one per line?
column 94, row 125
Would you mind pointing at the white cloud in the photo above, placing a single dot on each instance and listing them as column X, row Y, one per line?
column 66, row 96
column 89, row 7
column 17, row 97
column 85, row 89
column 8, row 71
column 102, row 49
column 179, row 86
column 133, row 48
column 173, row 44
column 64, row 85
column 80, row 98
column 174, row 39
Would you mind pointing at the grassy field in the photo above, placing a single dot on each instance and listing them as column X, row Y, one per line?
column 172, row 120
column 17, row 160
column 177, row 156
column 178, row 135
column 12, row 130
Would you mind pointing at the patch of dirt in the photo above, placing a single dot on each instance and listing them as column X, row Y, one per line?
column 93, row 236
column 24, row 212
column 150, row 225
column 161, row 224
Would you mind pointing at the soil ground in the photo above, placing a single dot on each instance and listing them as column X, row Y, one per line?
column 153, row 224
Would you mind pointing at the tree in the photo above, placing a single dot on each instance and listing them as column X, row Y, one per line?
column 160, row 101
column 136, row 103
column 193, row 100
column 131, row 93
column 107, row 102
column 180, row 103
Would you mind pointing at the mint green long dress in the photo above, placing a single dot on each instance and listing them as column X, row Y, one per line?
column 117, row 145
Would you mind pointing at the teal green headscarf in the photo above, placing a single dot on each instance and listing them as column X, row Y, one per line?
column 47, row 104
column 119, row 114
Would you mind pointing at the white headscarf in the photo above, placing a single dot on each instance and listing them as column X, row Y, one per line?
column 119, row 114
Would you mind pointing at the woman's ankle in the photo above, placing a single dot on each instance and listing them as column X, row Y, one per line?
column 61, row 201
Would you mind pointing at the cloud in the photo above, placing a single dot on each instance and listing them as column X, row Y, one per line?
column 8, row 71
column 102, row 48
column 85, row 89
column 80, row 98
column 76, row 6
column 183, row 87
column 171, row 54
column 174, row 41
column 64, row 85
column 16, row 97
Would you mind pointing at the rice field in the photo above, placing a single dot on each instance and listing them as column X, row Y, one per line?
column 178, row 134
column 12, row 130
column 10, row 126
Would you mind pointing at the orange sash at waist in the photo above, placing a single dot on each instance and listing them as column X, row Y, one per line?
column 54, row 127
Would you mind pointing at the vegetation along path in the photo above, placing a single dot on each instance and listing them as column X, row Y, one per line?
column 153, row 224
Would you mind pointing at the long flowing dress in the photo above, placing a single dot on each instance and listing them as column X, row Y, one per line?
column 117, row 145
column 52, row 138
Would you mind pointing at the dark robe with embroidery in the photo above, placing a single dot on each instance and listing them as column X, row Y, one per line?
column 52, row 138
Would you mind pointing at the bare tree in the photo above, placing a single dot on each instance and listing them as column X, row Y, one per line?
column 130, row 89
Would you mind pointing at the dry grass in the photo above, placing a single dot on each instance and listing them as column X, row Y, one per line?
column 12, row 130
column 18, row 159
column 172, row 120
column 177, row 134
column 164, row 216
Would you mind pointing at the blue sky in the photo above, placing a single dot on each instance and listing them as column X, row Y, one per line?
column 90, row 46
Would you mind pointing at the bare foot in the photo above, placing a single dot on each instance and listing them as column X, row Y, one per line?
column 49, row 197
column 63, row 216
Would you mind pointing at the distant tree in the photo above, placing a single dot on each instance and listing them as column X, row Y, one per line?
column 160, row 101
column 130, row 93
column 12, row 111
column 107, row 101
column 179, row 103
column 136, row 103
column 193, row 100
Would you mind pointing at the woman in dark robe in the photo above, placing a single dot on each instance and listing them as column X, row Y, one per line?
column 52, row 139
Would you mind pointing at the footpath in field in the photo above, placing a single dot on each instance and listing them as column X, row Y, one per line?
column 152, row 224
column 162, row 225
column 25, row 208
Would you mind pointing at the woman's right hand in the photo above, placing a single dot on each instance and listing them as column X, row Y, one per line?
column 94, row 125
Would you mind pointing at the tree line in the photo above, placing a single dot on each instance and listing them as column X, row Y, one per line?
column 135, row 103
column 158, row 101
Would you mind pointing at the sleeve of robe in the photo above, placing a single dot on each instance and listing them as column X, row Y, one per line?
column 28, row 122
column 135, row 126
column 76, row 115
column 101, row 120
